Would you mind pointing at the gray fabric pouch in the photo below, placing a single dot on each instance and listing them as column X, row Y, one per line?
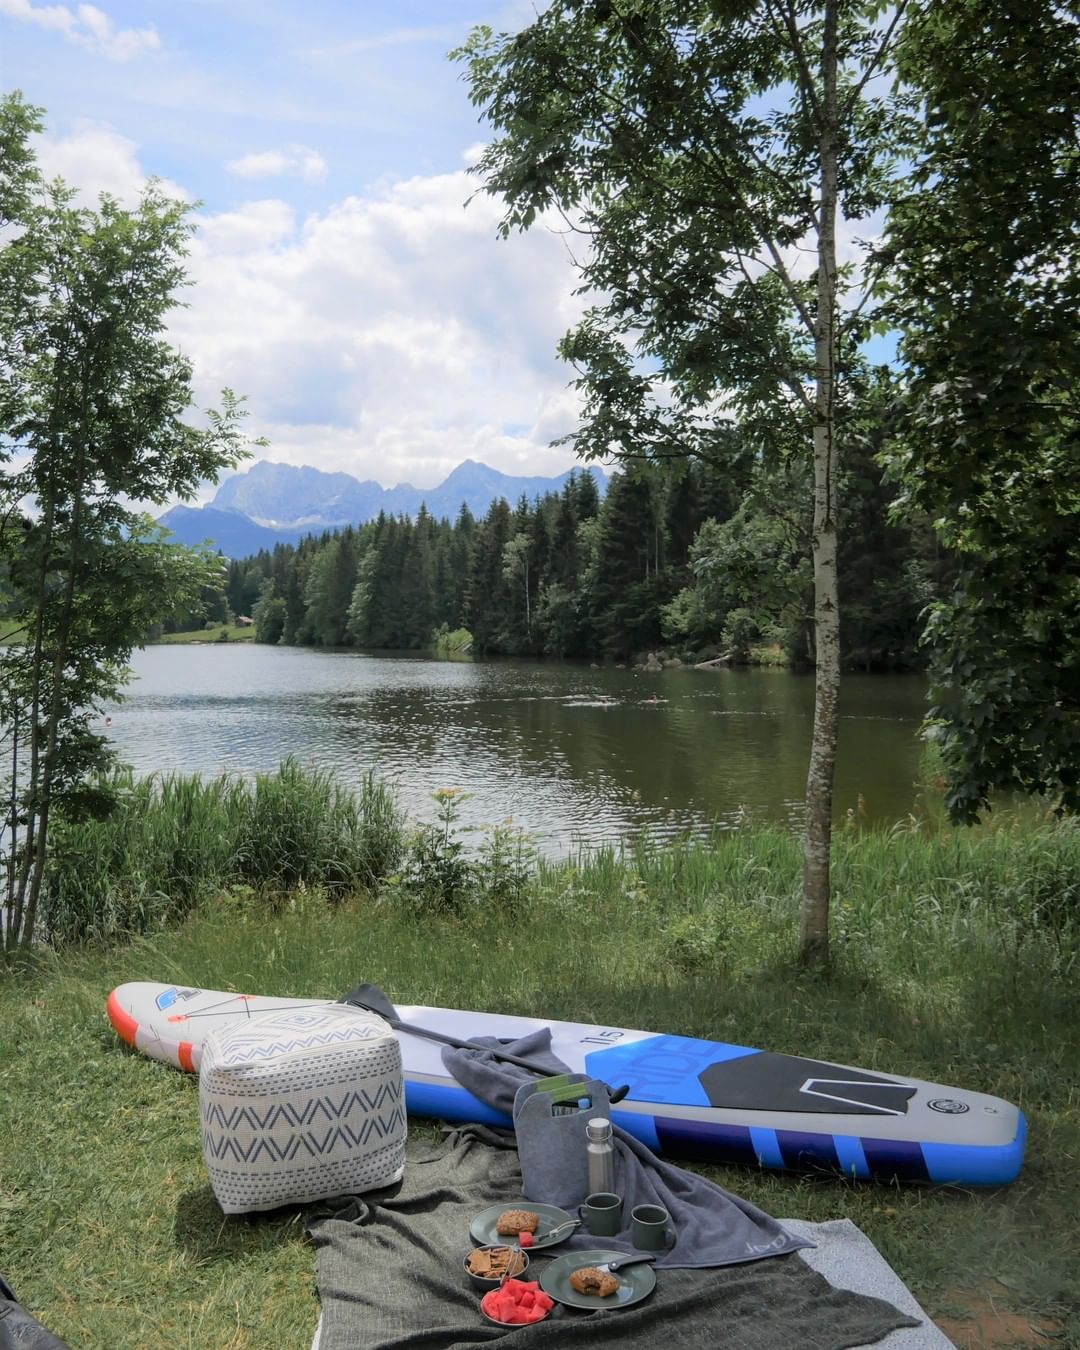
column 550, row 1129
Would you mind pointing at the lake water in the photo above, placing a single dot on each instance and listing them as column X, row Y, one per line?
column 571, row 754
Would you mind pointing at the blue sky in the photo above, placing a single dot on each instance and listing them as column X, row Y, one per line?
column 202, row 83
column 375, row 325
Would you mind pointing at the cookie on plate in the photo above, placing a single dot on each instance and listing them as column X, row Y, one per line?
column 590, row 1280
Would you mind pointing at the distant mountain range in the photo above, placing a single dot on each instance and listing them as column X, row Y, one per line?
column 279, row 503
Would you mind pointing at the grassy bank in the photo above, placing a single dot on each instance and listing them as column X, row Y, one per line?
column 225, row 632
column 956, row 960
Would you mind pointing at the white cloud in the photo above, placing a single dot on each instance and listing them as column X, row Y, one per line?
column 86, row 25
column 298, row 160
column 95, row 158
column 397, row 37
column 391, row 337
column 255, row 225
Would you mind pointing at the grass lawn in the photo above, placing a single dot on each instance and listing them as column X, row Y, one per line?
column 108, row 1228
column 231, row 631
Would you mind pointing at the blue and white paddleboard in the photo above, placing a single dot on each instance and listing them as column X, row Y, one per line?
column 688, row 1098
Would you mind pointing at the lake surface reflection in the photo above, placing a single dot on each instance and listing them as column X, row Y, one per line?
column 573, row 754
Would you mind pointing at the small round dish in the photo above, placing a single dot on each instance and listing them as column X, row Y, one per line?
column 544, row 1312
column 484, row 1282
column 511, row 1326
column 483, row 1232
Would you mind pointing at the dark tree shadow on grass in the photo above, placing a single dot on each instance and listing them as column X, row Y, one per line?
column 849, row 1017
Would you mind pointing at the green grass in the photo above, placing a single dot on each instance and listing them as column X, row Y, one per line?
column 957, row 959
column 231, row 631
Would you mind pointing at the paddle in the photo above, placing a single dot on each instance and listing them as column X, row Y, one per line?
column 373, row 999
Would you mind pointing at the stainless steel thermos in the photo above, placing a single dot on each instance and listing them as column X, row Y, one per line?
column 600, row 1155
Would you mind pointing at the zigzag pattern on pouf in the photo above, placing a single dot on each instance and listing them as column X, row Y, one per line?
column 301, row 1106
column 218, row 1115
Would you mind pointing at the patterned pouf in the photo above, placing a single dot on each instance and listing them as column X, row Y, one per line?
column 300, row 1106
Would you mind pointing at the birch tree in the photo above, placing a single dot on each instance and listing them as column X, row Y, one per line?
column 92, row 418
column 704, row 158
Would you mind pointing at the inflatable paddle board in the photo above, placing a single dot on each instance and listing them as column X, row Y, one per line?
column 688, row 1098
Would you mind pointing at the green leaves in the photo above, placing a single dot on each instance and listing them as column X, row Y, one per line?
column 19, row 176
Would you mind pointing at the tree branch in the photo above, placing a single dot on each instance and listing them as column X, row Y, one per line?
column 791, row 27
column 873, row 65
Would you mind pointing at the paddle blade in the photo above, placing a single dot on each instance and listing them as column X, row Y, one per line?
column 371, row 998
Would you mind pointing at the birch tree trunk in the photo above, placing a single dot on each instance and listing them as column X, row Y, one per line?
column 814, row 918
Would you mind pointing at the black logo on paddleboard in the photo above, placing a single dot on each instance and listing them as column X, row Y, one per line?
column 949, row 1106
column 763, row 1081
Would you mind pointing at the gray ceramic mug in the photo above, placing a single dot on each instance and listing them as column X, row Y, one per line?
column 602, row 1213
column 650, row 1228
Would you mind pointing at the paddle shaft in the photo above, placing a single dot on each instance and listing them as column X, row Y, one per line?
column 381, row 1005
column 545, row 1070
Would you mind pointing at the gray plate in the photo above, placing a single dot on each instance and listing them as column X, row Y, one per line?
column 635, row 1282
column 483, row 1231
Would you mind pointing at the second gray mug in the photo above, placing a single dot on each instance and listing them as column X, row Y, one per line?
column 650, row 1228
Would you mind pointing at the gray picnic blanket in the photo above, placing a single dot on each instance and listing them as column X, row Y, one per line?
column 712, row 1227
column 390, row 1276
column 849, row 1260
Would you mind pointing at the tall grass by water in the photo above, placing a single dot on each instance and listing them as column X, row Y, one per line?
column 956, row 960
column 176, row 841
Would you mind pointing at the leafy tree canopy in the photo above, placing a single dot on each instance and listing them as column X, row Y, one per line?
column 983, row 255
column 704, row 155
column 679, row 141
